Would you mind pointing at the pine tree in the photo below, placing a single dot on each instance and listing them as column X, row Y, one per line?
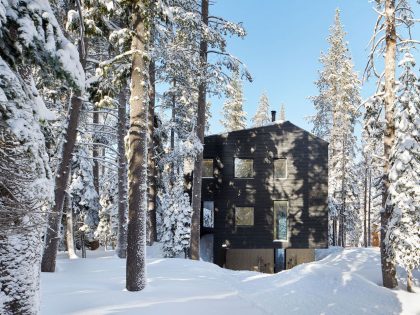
column 25, row 179
column 385, row 39
column 403, row 237
column 336, row 114
column 234, row 117
column 262, row 116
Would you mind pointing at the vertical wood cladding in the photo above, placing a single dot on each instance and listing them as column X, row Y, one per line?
column 306, row 187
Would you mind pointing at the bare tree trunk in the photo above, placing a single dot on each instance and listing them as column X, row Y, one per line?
column 365, row 207
column 69, row 227
column 137, row 155
column 334, row 231
column 410, row 281
column 369, row 206
column 95, row 151
column 61, row 178
column 388, row 265
column 122, row 176
column 152, row 191
column 194, row 252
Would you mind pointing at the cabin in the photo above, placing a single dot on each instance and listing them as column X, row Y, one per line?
column 264, row 197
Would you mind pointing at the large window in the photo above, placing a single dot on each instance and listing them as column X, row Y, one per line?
column 244, row 168
column 244, row 216
column 280, row 220
column 280, row 168
column 208, row 214
column 207, row 168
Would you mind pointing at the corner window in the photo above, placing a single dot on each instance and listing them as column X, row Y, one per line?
column 244, row 216
column 280, row 168
column 208, row 214
column 244, row 168
column 207, row 168
column 280, row 220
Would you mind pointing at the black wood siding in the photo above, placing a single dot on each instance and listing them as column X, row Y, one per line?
column 306, row 187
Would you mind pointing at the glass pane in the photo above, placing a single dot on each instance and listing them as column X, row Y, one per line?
column 207, row 168
column 244, row 216
column 280, row 217
column 280, row 168
column 244, row 168
column 208, row 214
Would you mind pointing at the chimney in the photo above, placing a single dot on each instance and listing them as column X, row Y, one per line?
column 273, row 116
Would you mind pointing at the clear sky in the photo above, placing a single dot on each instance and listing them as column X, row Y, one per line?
column 283, row 45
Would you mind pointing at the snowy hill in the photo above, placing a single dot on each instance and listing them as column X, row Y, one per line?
column 344, row 282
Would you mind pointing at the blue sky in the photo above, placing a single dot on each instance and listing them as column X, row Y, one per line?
column 283, row 45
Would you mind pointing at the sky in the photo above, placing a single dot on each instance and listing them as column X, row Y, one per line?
column 282, row 49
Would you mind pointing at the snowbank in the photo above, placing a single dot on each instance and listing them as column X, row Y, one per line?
column 344, row 282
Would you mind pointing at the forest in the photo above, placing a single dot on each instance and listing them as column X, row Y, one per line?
column 104, row 107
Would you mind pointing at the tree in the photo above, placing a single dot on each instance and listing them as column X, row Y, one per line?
column 402, row 237
column 25, row 177
column 262, row 116
column 336, row 113
column 392, row 13
column 137, row 149
column 234, row 117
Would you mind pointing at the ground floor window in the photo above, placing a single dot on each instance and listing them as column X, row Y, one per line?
column 280, row 220
column 208, row 214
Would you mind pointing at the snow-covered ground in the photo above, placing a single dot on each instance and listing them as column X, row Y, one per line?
column 344, row 282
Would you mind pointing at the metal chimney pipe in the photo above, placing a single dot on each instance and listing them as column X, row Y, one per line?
column 273, row 116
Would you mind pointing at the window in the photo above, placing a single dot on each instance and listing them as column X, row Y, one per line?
column 244, row 216
column 207, row 168
column 280, row 168
column 208, row 214
column 244, row 168
column 280, row 220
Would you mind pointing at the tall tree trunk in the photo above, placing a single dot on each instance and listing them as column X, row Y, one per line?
column 95, row 151
column 365, row 207
column 410, row 281
column 69, row 227
column 137, row 154
column 334, row 231
column 52, row 237
column 194, row 252
column 388, row 264
column 152, row 190
column 122, row 176
column 369, row 207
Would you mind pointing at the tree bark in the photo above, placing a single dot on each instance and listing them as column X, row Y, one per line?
column 369, row 207
column 95, row 151
column 194, row 252
column 61, row 178
column 365, row 207
column 152, row 191
column 69, row 227
column 122, row 176
column 137, row 155
column 410, row 281
column 388, row 264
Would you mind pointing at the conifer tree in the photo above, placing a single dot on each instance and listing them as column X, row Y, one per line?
column 336, row 114
column 26, row 186
column 234, row 117
column 262, row 116
column 403, row 237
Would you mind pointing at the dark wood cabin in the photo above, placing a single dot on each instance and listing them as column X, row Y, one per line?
column 264, row 196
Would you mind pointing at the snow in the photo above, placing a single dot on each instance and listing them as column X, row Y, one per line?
column 344, row 282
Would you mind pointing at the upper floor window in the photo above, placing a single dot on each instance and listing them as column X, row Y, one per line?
column 280, row 168
column 207, row 168
column 280, row 220
column 244, row 168
column 208, row 214
column 244, row 216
